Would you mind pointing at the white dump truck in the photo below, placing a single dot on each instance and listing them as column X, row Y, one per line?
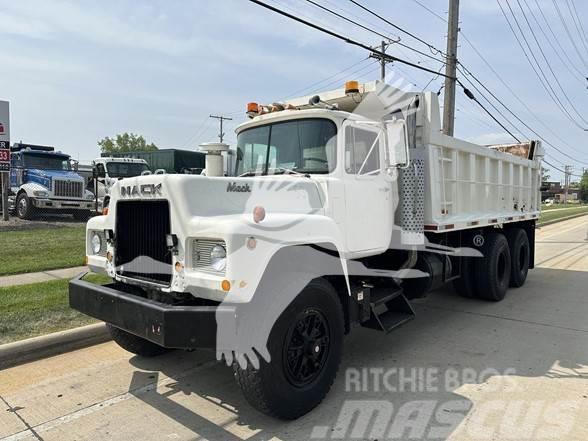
column 108, row 170
column 342, row 208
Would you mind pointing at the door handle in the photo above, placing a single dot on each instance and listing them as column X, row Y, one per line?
column 384, row 189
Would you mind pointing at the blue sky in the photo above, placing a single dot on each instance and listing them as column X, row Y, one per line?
column 75, row 72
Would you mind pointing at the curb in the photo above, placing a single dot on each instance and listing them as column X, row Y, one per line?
column 561, row 219
column 19, row 352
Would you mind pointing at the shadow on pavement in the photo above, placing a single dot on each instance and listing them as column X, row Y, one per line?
column 444, row 370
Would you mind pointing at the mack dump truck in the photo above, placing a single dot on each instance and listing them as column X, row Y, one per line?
column 342, row 208
column 45, row 180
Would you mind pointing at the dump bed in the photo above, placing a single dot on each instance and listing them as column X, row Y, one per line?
column 452, row 184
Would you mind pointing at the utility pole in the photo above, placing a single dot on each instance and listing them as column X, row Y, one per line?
column 450, row 68
column 383, row 60
column 568, row 172
column 221, row 118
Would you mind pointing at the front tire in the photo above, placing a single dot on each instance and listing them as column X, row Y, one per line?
column 305, row 345
column 134, row 344
column 24, row 207
column 520, row 252
column 492, row 271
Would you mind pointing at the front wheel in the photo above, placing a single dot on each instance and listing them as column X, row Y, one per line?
column 305, row 345
column 24, row 207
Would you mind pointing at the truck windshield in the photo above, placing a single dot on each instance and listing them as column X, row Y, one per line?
column 46, row 161
column 299, row 146
column 125, row 169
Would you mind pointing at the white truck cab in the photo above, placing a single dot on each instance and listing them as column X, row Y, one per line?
column 109, row 170
column 342, row 208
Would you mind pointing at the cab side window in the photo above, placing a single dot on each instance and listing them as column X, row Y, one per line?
column 101, row 171
column 362, row 151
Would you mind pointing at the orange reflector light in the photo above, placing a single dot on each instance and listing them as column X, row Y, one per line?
column 109, row 256
column 105, row 211
column 351, row 87
column 178, row 266
column 226, row 285
column 258, row 214
column 252, row 107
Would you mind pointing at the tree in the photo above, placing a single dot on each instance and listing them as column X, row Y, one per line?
column 545, row 174
column 127, row 142
column 584, row 187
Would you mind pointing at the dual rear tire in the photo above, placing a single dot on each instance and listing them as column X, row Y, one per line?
column 504, row 262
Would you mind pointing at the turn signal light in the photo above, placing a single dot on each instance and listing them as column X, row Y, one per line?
column 109, row 256
column 104, row 211
column 226, row 285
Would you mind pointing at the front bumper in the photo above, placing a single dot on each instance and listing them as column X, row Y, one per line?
column 180, row 327
column 58, row 204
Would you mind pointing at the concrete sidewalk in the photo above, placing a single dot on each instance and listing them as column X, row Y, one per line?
column 43, row 276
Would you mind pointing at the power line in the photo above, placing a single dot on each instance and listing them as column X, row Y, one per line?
column 542, row 79
column 512, row 113
column 568, row 66
column 429, row 45
column 387, row 37
column 562, row 49
column 343, row 38
column 547, row 61
column 569, row 34
column 574, row 17
column 579, row 21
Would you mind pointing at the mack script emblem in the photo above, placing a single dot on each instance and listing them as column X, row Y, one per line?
column 234, row 187
column 140, row 190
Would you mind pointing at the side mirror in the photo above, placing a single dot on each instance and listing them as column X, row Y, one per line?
column 397, row 144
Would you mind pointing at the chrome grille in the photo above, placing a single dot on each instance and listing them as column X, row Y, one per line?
column 68, row 189
column 201, row 254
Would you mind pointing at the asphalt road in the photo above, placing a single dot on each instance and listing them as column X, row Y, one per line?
column 462, row 370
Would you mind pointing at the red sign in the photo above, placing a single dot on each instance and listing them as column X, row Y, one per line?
column 4, row 156
column 1, row 128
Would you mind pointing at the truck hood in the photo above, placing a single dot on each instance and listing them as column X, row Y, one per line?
column 44, row 177
column 220, row 196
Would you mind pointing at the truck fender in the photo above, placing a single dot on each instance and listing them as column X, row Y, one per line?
column 243, row 332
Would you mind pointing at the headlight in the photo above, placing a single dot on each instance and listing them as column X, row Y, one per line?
column 96, row 243
column 218, row 257
column 41, row 193
column 89, row 196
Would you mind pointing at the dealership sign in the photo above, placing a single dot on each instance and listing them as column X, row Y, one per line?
column 4, row 136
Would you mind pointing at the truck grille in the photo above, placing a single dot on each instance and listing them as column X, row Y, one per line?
column 68, row 189
column 141, row 249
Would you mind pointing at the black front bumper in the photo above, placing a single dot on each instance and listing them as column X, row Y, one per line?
column 180, row 327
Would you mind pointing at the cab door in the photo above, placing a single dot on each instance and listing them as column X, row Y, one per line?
column 369, row 207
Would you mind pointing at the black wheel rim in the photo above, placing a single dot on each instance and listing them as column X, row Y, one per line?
column 307, row 347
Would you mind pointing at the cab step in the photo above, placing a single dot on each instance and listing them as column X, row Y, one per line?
column 388, row 308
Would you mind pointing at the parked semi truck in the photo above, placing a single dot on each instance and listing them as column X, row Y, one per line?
column 45, row 180
column 343, row 208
